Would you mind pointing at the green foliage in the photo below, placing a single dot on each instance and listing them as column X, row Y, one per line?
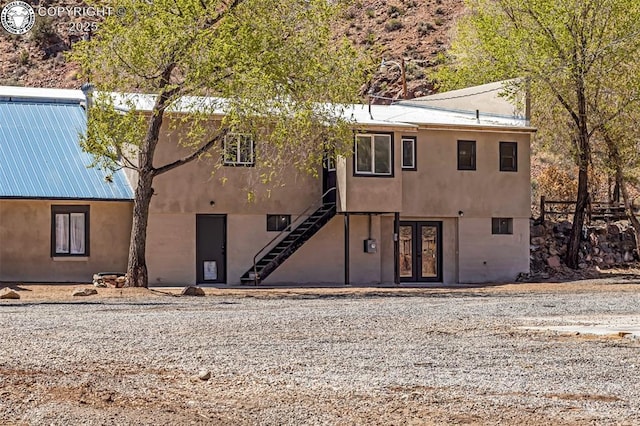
column 578, row 58
column 274, row 61
column 44, row 33
column 393, row 25
column 23, row 58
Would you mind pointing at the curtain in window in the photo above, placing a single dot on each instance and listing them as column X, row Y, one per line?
column 76, row 233
column 62, row 233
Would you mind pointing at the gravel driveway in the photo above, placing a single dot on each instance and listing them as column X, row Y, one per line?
column 443, row 357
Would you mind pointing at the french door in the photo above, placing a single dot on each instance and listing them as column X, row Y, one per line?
column 420, row 251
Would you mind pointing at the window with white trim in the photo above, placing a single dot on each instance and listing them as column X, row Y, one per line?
column 238, row 150
column 373, row 155
column 69, row 231
column 408, row 153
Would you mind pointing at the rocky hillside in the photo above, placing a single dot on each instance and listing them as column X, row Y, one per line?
column 417, row 30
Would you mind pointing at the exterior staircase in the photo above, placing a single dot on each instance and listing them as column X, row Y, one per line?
column 284, row 245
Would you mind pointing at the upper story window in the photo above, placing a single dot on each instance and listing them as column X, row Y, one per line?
column 238, row 150
column 501, row 225
column 374, row 155
column 508, row 157
column 69, row 231
column 466, row 155
column 409, row 153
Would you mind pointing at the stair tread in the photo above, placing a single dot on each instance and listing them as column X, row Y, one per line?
column 289, row 244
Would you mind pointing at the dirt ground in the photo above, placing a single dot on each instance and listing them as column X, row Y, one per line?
column 116, row 392
column 626, row 279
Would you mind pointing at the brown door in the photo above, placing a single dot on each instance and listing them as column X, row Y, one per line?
column 211, row 239
column 421, row 251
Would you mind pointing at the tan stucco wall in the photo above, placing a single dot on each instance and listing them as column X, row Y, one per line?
column 172, row 253
column 374, row 193
column 25, row 241
column 438, row 188
column 492, row 258
column 436, row 191
column 171, row 249
column 321, row 259
column 192, row 187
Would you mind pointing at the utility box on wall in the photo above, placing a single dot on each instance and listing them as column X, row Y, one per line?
column 370, row 246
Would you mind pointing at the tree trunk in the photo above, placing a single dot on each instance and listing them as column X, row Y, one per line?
column 137, row 275
column 584, row 155
column 573, row 248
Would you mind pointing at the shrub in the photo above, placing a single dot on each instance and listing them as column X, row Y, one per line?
column 24, row 57
column 425, row 28
column 393, row 25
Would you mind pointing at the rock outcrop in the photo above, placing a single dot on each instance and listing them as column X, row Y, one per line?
column 605, row 246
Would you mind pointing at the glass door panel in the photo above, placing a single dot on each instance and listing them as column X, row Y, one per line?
column 406, row 251
column 420, row 251
column 430, row 243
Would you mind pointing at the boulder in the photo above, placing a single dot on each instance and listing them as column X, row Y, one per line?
column 192, row 291
column 613, row 229
column 84, row 292
column 554, row 262
column 7, row 293
column 563, row 227
column 538, row 241
column 538, row 231
column 204, row 375
column 628, row 256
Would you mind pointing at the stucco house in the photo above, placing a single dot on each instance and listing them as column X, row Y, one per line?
column 60, row 221
column 431, row 194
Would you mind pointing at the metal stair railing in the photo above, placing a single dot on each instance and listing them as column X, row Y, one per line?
column 287, row 230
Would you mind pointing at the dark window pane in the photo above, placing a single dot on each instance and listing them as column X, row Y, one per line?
column 501, row 225
column 408, row 153
column 466, row 155
column 383, row 154
column 363, row 154
column 508, row 157
column 278, row 222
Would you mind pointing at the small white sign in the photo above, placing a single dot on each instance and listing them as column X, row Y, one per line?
column 210, row 270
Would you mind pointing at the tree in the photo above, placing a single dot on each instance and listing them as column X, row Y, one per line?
column 263, row 64
column 566, row 53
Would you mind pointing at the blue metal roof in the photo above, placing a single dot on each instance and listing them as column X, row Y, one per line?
column 40, row 154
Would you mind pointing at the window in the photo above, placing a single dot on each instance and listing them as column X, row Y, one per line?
column 329, row 163
column 238, row 150
column 508, row 157
column 278, row 222
column 408, row 153
column 374, row 155
column 466, row 155
column 69, row 231
column 501, row 225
